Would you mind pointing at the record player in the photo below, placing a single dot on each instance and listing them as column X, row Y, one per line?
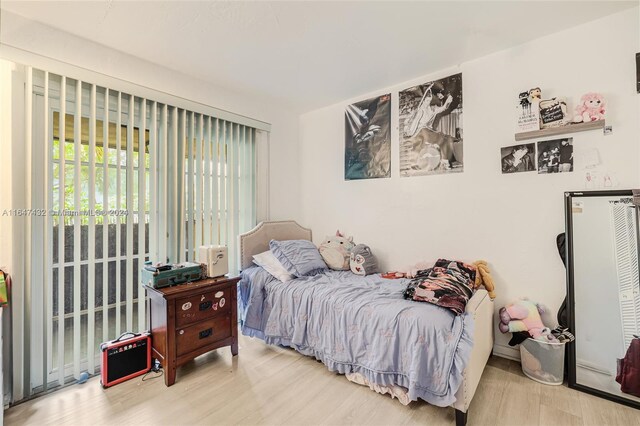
column 165, row 275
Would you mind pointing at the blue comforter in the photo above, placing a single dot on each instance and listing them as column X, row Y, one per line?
column 357, row 324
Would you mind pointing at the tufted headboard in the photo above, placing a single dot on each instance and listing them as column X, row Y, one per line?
column 257, row 240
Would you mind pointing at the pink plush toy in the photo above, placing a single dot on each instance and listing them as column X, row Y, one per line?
column 524, row 315
column 591, row 108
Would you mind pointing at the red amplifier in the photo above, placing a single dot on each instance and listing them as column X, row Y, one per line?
column 125, row 358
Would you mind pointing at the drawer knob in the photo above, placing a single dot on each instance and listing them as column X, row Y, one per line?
column 181, row 331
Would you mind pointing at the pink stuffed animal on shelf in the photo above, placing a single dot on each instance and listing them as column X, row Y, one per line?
column 591, row 108
column 524, row 315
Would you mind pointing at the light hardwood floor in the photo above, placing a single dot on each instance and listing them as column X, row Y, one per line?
column 269, row 385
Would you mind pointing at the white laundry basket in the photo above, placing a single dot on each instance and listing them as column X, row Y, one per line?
column 543, row 361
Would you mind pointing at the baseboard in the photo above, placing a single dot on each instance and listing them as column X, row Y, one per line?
column 506, row 351
column 592, row 367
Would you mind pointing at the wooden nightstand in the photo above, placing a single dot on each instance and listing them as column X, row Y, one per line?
column 189, row 320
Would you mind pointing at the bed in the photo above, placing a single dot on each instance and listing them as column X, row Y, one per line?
column 363, row 325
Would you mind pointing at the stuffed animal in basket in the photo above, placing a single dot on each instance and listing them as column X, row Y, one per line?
column 336, row 251
column 524, row 315
column 591, row 108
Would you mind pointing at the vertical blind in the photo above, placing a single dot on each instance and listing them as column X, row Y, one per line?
column 624, row 222
column 119, row 179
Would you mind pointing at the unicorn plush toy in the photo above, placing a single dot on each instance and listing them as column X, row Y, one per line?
column 335, row 251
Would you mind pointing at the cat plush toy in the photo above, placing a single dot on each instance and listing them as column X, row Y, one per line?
column 362, row 261
column 335, row 251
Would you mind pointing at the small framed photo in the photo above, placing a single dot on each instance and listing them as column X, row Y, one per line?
column 518, row 158
column 555, row 156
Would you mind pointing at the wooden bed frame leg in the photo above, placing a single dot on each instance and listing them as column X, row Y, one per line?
column 461, row 418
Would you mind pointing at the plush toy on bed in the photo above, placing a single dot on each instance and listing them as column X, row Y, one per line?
column 524, row 315
column 335, row 251
column 363, row 262
column 483, row 278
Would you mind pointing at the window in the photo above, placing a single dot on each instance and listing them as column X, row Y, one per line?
column 122, row 179
column 103, row 214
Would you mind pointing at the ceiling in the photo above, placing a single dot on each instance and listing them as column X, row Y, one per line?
column 311, row 54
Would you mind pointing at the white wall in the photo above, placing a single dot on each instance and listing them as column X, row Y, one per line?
column 5, row 170
column 17, row 31
column 509, row 220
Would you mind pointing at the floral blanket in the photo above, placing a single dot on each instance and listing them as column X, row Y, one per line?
column 448, row 284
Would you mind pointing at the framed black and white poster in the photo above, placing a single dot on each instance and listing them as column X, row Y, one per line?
column 367, row 132
column 430, row 118
column 518, row 158
column 555, row 156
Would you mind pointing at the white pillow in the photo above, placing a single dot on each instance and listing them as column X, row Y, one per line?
column 272, row 265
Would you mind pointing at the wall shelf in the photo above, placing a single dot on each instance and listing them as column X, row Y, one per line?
column 569, row 128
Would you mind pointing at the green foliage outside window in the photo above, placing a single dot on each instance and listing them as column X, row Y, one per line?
column 100, row 204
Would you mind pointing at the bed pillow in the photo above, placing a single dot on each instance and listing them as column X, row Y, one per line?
column 300, row 258
column 272, row 265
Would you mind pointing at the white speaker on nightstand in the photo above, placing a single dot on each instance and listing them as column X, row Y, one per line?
column 215, row 259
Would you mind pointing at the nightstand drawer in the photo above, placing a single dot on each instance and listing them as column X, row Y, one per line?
column 202, row 306
column 202, row 334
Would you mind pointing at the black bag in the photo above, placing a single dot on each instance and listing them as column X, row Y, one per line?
column 563, row 321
